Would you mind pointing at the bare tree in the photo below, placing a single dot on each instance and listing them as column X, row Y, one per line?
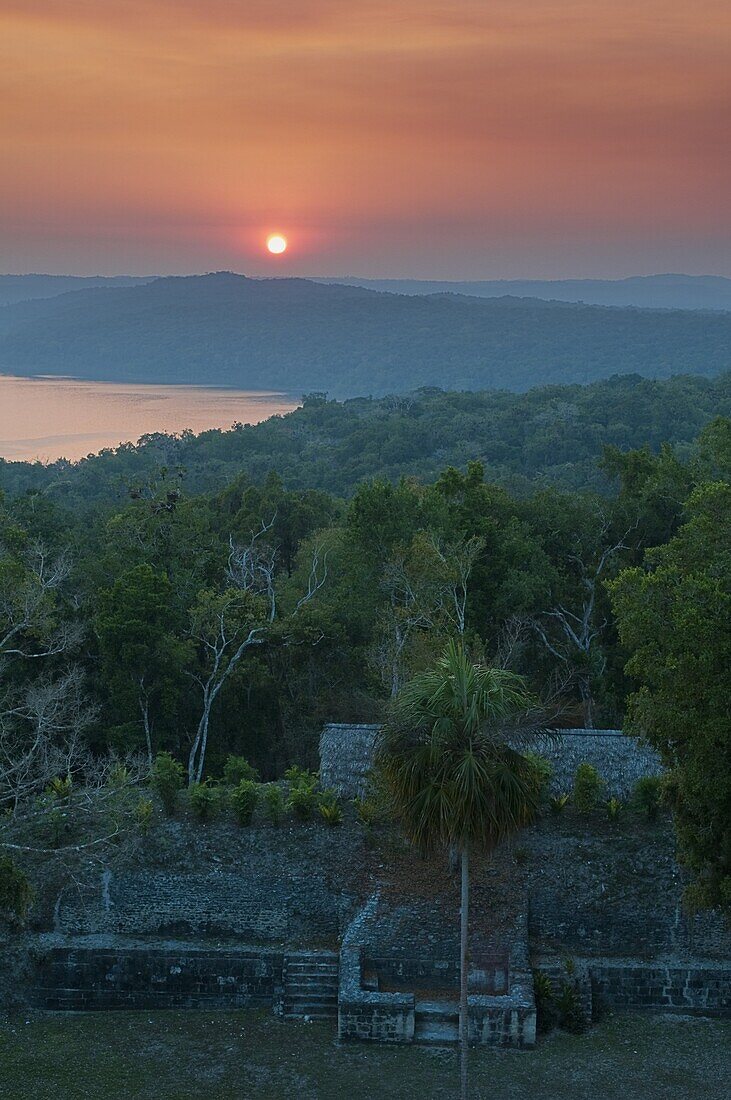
column 225, row 626
column 251, row 567
column 43, row 709
column 573, row 641
column 29, row 626
column 458, row 560
column 511, row 643
column 426, row 591
column 40, row 734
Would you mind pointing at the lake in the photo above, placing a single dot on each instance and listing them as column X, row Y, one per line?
column 50, row 418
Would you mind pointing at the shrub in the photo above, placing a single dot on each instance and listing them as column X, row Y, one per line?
column 16, row 892
column 60, row 787
column 546, row 1014
column 143, row 814
column 647, row 795
column 587, row 788
column 166, row 778
column 559, row 802
column 244, row 798
column 300, row 777
column 330, row 809
column 542, row 770
column 568, row 1005
column 237, row 768
column 203, row 800
column 558, row 1004
column 302, row 801
column 368, row 811
column 118, row 776
column 274, row 802
column 614, row 808
column 302, row 794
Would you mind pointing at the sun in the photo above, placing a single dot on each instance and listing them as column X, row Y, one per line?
column 277, row 244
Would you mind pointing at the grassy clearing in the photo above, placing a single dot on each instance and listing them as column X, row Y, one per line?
column 227, row 1055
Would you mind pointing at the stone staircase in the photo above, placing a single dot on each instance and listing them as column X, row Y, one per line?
column 436, row 1022
column 311, row 985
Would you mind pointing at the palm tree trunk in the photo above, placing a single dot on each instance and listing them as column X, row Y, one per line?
column 464, row 917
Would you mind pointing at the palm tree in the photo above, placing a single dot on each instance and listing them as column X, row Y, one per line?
column 449, row 756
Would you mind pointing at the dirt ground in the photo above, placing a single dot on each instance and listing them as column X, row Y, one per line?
column 242, row 1055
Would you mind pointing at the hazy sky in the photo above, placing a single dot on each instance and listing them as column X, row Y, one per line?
column 460, row 138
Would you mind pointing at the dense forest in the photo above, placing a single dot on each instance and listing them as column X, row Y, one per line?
column 549, row 436
column 295, row 335
column 239, row 619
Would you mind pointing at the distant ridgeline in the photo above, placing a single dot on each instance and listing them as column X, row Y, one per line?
column 296, row 335
column 644, row 291
column 552, row 434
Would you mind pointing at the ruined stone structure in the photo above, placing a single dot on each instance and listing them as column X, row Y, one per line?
column 319, row 922
column 346, row 757
column 347, row 751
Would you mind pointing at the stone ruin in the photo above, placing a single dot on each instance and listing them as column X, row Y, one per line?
column 347, row 752
column 346, row 757
column 301, row 919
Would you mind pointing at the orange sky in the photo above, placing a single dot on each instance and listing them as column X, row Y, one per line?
column 410, row 137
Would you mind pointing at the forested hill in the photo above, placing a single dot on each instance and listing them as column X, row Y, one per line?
column 646, row 291
column 551, row 435
column 296, row 335
column 23, row 288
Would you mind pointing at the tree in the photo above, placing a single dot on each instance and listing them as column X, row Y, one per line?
column 674, row 617
column 652, row 489
column 141, row 654
column 511, row 572
column 225, row 625
column 580, row 536
column 43, row 707
column 239, row 509
column 449, row 755
column 425, row 586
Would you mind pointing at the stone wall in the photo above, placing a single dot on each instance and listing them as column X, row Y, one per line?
column 504, row 1021
column 598, row 890
column 205, row 914
column 422, row 1003
column 368, row 1014
column 405, row 971
column 394, row 1017
column 619, row 758
column 277, row 885
column 701, row 989
column 346, row 757
column 81, row 975
column 168, row 904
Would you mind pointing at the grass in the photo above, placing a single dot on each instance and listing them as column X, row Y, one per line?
column 242, row 1055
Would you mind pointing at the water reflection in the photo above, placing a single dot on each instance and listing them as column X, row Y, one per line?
column 50, row 418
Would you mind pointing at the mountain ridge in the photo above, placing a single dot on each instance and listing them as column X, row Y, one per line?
column 297, row 335
column 662, row 291
column 35, row 285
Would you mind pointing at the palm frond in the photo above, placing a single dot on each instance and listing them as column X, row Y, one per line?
column 450, row 757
